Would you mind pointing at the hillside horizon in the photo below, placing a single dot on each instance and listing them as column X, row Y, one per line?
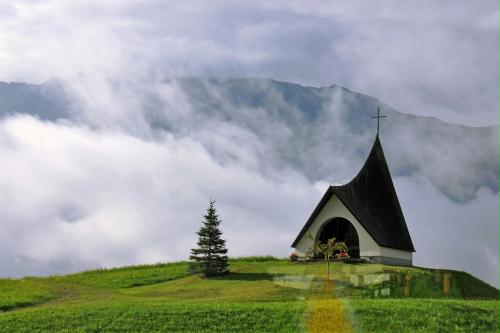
column 255, row 258
column 258, row 294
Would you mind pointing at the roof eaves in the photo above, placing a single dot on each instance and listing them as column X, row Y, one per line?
column 314, row 214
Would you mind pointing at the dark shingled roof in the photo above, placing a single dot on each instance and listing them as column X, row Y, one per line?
column 372, row 199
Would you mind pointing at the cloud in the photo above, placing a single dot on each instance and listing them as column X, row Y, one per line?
column 75, row 198
column 451, row 235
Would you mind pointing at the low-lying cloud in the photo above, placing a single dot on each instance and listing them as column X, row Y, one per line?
column 75, row 198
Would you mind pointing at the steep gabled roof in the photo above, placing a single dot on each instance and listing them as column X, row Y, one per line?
column 372, row 199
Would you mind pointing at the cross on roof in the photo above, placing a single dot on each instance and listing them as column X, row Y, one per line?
column 378, row 116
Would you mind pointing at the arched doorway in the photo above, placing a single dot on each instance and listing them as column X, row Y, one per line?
column 343, row 231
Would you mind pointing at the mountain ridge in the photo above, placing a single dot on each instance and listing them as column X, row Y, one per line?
column 312, row 129
column 57, row 82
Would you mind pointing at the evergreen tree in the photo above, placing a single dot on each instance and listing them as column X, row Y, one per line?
column 210, row 257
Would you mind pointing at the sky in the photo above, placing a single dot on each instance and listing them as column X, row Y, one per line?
column 107, row 190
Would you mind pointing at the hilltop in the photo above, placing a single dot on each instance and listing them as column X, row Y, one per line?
column 261, row 294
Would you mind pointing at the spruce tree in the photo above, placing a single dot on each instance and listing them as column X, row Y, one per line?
column 210, row 257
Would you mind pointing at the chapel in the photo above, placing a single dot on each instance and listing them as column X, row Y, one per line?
column 365, row 214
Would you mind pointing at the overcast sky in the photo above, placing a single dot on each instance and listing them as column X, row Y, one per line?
column 80, row 195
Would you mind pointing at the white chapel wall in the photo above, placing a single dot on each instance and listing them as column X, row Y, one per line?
column 394, row 253
column 335, row 208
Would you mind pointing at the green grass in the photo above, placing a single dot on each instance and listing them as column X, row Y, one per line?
column 20, row 293
column 255, row 259
column 127, row 277
column 259, row 295
column 158, row 317
column 423, row 315
column 256, row 288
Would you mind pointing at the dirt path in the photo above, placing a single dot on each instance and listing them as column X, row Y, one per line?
column 326, row 311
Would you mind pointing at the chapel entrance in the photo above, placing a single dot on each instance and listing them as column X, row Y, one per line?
column 343, row 231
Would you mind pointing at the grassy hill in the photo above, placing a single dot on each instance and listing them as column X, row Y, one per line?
column 259, row 295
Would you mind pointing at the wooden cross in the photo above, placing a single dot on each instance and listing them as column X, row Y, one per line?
column 378, row 116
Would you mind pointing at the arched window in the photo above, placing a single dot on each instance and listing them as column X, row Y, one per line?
column 343, row 231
